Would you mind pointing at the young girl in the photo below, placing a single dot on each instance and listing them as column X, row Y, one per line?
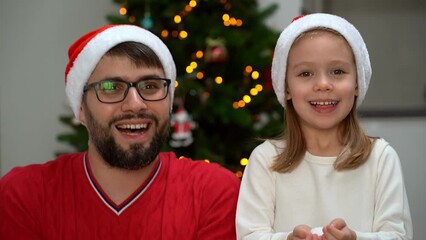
column 324, row 178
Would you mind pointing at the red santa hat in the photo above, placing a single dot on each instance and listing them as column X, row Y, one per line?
column 87, row 51
column 312, row 21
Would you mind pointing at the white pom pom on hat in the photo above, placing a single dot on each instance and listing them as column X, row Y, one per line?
column 316, row 20
column 87, row 51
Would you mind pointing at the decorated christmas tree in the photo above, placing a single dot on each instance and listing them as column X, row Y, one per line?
column 224, row 99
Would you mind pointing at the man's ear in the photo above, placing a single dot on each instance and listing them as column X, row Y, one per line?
column 82, row 116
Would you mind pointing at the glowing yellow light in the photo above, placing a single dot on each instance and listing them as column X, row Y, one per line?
column 254, row 91
column 233, row 21
column 123, row 11
column 226, row 23
column 200, row 75
column 235, row 105
column 192, row 3
column 244, row 161
column 199, row 54
column 255, row 75
column 188, row 8
column 176, row 84
column 181, row 157
column 248, row 69
column 183, row 34
column 259, row 87
column 225, row 17
column 164, row 33
column 194, row 65
column 246, row 98
column 189, row 69
column 177, row 19
column 132, row 19
column 206, row 160
column 218, row 80
column 241, row 103
column 239, row 22
column 239, row 174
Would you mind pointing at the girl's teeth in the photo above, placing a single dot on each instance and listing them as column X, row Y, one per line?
column 324, row 103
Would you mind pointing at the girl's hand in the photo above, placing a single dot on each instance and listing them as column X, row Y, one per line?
column 303, row 232
column 338, row 230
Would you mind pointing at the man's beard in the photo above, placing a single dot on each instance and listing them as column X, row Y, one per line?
column 137, row 156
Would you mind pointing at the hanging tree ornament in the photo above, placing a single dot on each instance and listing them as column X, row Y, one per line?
column 147, row 22
column 216, row 51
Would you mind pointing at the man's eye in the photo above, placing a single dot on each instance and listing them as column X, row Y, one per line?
column 150, row 85
column 107, row 86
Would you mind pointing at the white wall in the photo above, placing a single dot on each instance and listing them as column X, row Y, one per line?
column 34, row 39
column 287, row 10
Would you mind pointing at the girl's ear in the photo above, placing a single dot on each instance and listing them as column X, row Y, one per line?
column 287, row 94
column 356, row 90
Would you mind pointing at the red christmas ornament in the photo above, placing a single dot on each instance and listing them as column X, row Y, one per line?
column 216, row 51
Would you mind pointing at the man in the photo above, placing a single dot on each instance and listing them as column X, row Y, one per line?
column 120, row 82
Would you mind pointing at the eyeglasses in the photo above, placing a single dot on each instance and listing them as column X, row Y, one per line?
column 115, row 90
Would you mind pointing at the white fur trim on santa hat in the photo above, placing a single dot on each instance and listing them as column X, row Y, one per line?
column 91, row 54
column 312, row 21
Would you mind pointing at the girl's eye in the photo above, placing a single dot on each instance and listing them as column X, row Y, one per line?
column 305, row 74
column 337, row 72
